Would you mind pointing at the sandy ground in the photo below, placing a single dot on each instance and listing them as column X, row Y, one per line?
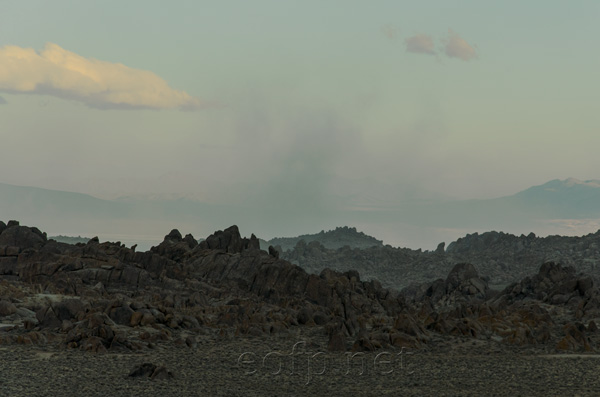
column 287, row 367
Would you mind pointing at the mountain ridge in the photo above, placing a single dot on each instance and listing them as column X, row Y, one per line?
column 555, row 207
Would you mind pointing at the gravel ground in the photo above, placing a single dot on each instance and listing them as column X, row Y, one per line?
column 282, row 367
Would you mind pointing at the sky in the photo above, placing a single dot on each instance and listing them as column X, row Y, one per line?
column 299, row 104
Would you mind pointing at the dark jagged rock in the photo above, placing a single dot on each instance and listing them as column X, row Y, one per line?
column 174, row 236
column 462, row 284
column 228, row 240
column 332, row 239
column 191, row 241
column 253, row 243
column 554, row 283
column 440, row 248
column 174, row 246
column 500, row 257
column 104, row 296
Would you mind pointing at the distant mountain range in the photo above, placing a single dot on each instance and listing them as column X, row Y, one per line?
column 570, row 198
column 566, row 206
column 556, row 199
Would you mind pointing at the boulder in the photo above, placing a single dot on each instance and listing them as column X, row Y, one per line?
column 273, row 252
column 47, row 318
column 22, row 236
column 68, row 309
column 321, row 318
column 304, row 315
column 7, row 308
column 152, row 371
column 121, row 315
column 459, row 274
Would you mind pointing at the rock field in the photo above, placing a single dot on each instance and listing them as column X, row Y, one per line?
column 223, row 317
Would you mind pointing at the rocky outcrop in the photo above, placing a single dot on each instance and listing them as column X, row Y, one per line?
column 174, row 246
column 102, row 297
column 463, row 284
column 549, row 308
column 553, row 284
column 181, row 273
column 230, row 241
column 332, row 239
column 14, row 236
column 500, row 257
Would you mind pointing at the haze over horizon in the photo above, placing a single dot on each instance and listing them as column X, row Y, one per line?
column 558, row 207
column 294, row 107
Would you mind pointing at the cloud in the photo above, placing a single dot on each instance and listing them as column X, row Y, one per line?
column 421, row 44
column 2, row 101
column 300, row 169
column 456, row 47
column 390, row 32
column 98, row 84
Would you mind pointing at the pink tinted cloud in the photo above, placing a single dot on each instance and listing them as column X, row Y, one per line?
column 456, row 47
column 420, row 44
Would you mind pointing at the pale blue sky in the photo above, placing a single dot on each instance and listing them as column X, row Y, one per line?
column 314, row 96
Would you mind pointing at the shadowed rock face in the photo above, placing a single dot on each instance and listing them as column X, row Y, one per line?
column 105, row 296
column 499, row 257
column 553, row 284
column 332, row 239
column 230, row 241
column 23, row 237
column 462, row 285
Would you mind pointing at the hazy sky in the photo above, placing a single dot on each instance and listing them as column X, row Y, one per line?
column 297, row 103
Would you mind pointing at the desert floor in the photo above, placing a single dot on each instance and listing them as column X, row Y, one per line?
column 295, row 367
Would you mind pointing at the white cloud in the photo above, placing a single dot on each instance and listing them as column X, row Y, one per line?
column 2, row 101
column 456, row 47
column 421, row 44
column 99, row 84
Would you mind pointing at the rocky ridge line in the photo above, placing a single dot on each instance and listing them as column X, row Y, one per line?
column 107, row 297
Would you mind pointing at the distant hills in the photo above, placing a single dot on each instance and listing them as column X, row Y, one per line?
column 559, row 207
column 332, row 239
column 556, row 199
column 569, row 207
column 70, row 239
column 570, row 198
column 44, row 203
column 503, row 258
column 70, row 213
